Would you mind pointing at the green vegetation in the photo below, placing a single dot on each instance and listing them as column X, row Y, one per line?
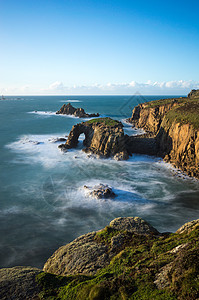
column 160, row 102
column 186, row 113
column 134, row 269
column 106, row 121
column 104, row 236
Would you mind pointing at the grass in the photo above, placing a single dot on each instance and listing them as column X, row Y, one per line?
column 185, row 112
column 132, row 271
column 188, row 113
column 106, row 121
column 160, row 102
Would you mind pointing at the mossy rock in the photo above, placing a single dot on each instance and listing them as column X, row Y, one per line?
column 136, row 271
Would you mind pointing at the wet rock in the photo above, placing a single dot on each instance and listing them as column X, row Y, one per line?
column 100, row 191
column 121, row 156
column 57, row 140
column 62, row 148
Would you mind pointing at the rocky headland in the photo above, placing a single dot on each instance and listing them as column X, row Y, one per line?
column 128, row 259
column 172, row 131
column 103, row 136
column 68, row 109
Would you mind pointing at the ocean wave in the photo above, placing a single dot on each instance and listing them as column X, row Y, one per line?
column 71, row 101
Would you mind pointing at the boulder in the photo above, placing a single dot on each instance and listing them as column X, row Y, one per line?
column 88, row 253
column 101, row 191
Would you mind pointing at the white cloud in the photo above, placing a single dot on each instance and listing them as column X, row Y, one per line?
column 178, row 87
column 57, row 85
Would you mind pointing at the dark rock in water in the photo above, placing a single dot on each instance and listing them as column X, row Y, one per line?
column 56, row 140
column 19, row 283
column 104, row 137
column 62, row 148
column 100, row 191
column 68, row 109
column 123, row 155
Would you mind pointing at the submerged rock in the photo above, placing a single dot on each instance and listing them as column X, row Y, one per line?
column 101, row 191
column 68, row 109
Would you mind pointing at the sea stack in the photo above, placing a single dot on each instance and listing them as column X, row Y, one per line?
column 68, row 109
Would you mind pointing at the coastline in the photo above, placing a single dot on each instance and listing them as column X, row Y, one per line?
column 109, row 239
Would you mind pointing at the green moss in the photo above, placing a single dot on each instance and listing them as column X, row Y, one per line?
column 104, row 236
column 132, row 272
column 106, row 121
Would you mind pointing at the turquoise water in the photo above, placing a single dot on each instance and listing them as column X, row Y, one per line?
column 42, row 201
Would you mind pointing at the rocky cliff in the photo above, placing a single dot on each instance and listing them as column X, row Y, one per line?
column 68, row 109
column 104, row 137
column 174, row 125
column 128, row 259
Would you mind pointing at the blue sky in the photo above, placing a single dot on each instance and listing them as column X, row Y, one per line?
column 98, row 47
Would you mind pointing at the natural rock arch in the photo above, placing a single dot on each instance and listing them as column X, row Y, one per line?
column 76, row 131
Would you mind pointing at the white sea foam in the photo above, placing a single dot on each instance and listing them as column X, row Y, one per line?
column 140, row 181
column 72, row 101
column 51, row 113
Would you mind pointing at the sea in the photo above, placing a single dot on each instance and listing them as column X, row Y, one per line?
column 43, row 204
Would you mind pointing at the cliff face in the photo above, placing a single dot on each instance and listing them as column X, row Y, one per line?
column 104, row 137
column 150, row 117
column 179, row 145
column 174, row 125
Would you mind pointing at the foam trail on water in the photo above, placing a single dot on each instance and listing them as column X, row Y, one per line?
column 72, row 101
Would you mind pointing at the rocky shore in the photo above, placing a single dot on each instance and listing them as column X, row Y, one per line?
column 68, row 109
column 172, row 127
column 128, row 259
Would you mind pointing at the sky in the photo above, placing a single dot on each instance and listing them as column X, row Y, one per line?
column 60, row 47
